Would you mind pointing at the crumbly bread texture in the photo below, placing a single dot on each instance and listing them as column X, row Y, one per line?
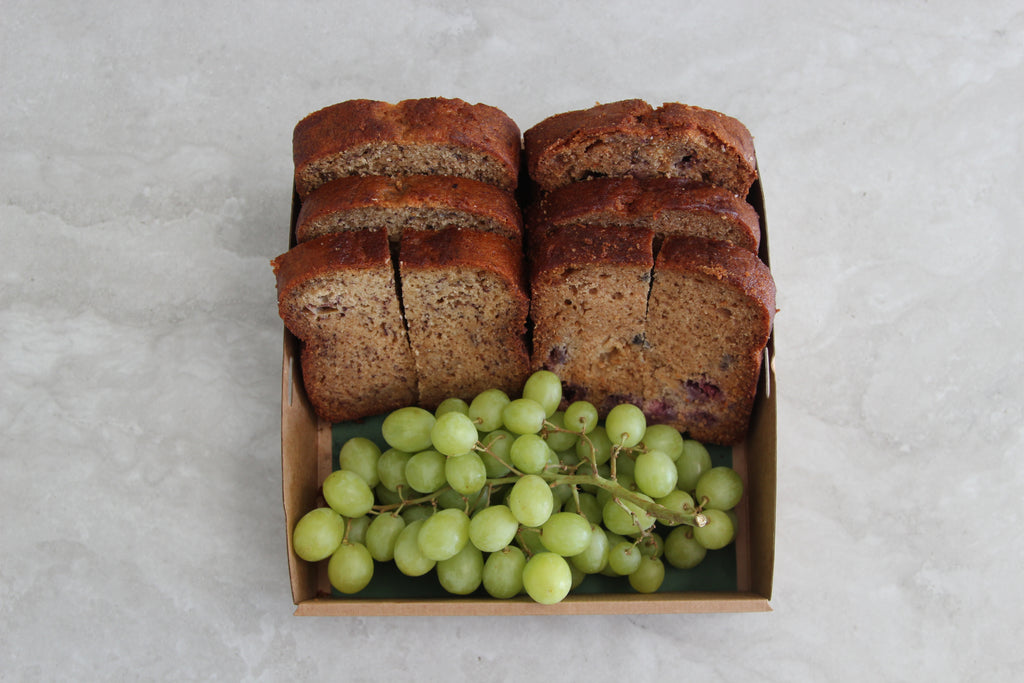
column 710, row 314
column 432, row 136
column 589, row 289
column 631, row 138
column 670, row 206
column 466, row 306
column 337, row 294
column 416, row 202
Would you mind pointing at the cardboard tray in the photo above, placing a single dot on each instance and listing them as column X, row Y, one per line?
column 739, row 580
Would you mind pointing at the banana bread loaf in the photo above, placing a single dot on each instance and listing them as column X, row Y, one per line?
column 466, row 306
column 337, row 294
column 432, row 136
column 670, row 206
column 420, row 202
column 630, row 138
column 711, row 311
column 589, row 289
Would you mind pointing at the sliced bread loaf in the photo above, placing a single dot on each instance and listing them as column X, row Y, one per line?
column 670, row 206
column 432, row 136
column 337, row 294
column 466, row 306
column 711, row 311
column 589, row 289
column 630, row 138
column 417, row 202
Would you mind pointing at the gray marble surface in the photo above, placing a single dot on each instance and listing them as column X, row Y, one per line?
column 145, row 183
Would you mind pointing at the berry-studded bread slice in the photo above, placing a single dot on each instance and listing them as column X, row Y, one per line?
column 337, row 294
column 417, row 202
column 466, row 306
column 589, row 297
column 433, row 136
column 670, row 206
column 710, row 314
column 630, row 138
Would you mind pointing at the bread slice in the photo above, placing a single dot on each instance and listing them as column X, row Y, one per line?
column 432, row 136
column 711, row 311
column 337, row 294
column 630, row 138
column 417, row 202
column 589, row 289
column 466, row 306
column 670, row 206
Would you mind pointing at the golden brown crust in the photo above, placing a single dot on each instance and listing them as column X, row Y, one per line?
column 325, row 208
column 668, row 205
column 328, row 254
column 431, row 121
column 548, row 142
column 572, row 246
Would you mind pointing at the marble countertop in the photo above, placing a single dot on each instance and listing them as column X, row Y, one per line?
column 145, row 177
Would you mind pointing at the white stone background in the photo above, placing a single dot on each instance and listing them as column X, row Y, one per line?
column 145, row 177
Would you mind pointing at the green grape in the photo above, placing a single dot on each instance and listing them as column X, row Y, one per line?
column 588, row 507
column 531, row 500
column 391, row 468
column 679, row 502
column 568, row 457
column 466, row 473
column 503, row 573
column 318, row 534
column 498, row 445
column 594, row 558
column 544, row 387
column 416, row 512
column 462, row 573
column 581, row 416
column 529, row 540
column 425, row 471
column 655, row 474
column 409, row 559
column 720, row 488
column 360, row 455
column 625, row 424
column 350, row 568
column 453, row 434
column 694, row 461
column 663, row 438
column 619, row 520
column 651, row 544
column 547, row 578
column 682, row 550
column 624, row 558
column 443, row 534
column 347, row 493
column 386, row 496
column 408, row 429
column 556, row 439
column 523, row 416
column 357, row 527
column 485, row 409
column 596, row 448
column 566, row 533
column 649, row 576
column 530, row 453
column 578, row 575
column 381, row 536
column 493, row 528
column 718, row 532
column 625, row 466
column 451, row 405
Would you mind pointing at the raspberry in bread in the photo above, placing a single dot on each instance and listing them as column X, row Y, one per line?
column 671, row 206
column 630, row 138
column 589, row 288
column 419, row 201
column 466, row 307
column 432, row 136
column 337, row 294
column 710, row 314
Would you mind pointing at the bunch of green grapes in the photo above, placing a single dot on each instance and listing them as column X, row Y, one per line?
column 518, row 496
